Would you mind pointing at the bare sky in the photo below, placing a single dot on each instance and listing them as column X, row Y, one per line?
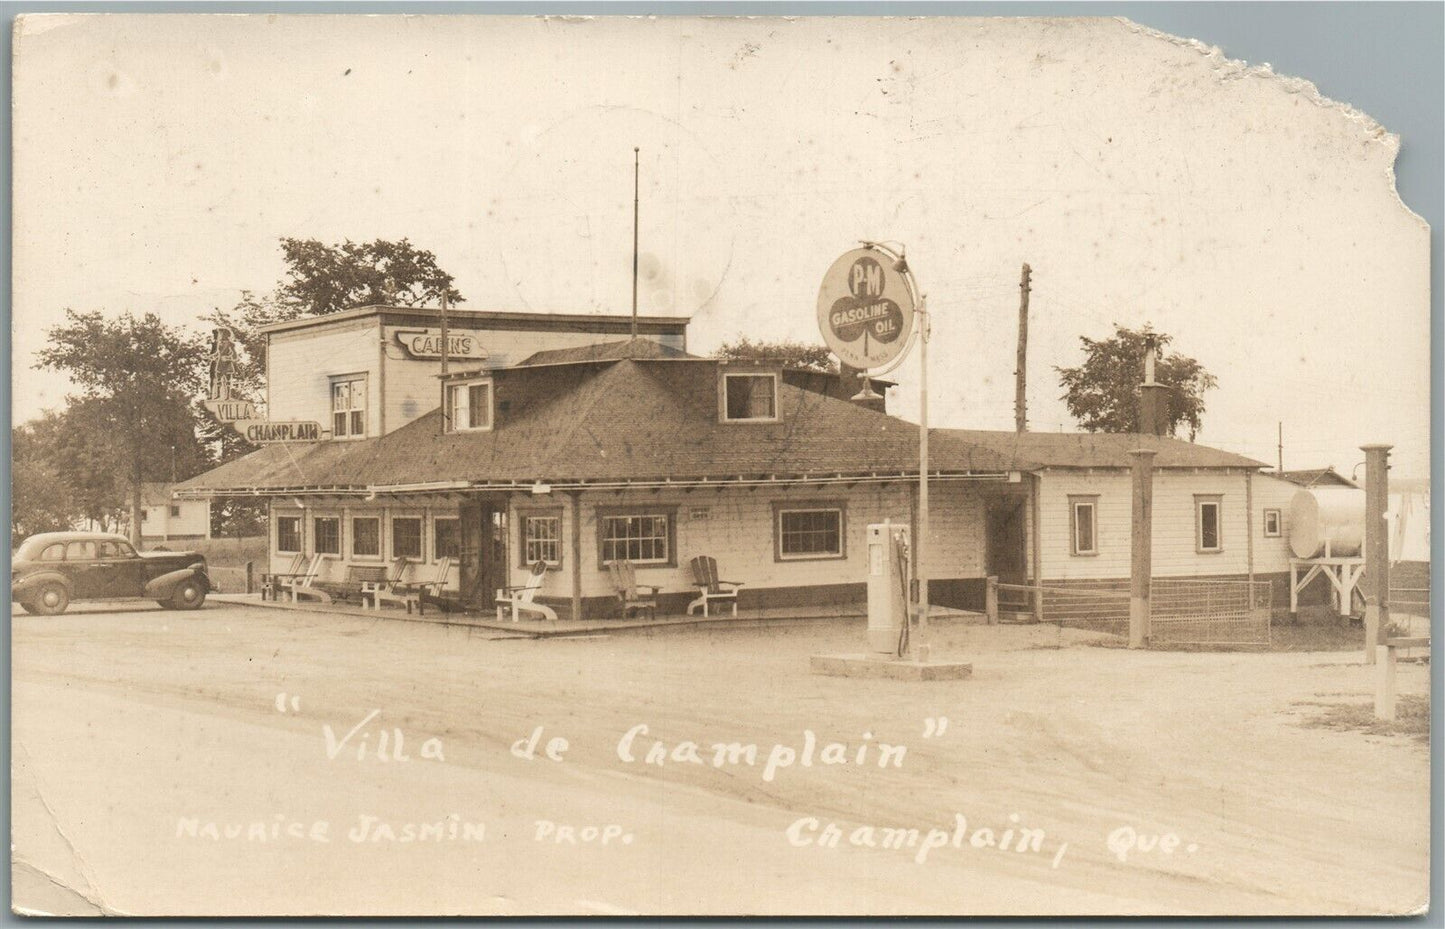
column 159, row 158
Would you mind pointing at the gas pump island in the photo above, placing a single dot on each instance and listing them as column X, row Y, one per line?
column 866, row 311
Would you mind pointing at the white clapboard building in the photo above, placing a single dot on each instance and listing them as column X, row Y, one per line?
column 558, row 438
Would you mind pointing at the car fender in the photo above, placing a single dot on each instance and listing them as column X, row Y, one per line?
column 33, row 582
column 163, row 586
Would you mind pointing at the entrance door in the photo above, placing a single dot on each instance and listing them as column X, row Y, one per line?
column 1006, row 557
column 482, row 559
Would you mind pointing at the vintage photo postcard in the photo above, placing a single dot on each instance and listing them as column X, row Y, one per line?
column 635, row 466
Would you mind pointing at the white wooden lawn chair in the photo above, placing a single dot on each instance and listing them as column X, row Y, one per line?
column 301, row 586
column 710, row 587
column 520, row 599
column 391, row 590
column 422, row 589
column 271, row 583
column 630, row 593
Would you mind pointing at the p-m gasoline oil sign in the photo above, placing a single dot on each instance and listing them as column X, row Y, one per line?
column 865, row 309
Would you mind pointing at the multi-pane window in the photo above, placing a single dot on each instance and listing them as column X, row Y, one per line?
column 348, row 406
column 1207, row 534
column 542, row 539
column 366, row 537
column 1084, row 525
column 327, row 532
column 288, row 533
column 175, row 511
column 1272, row 527
column 469, row 405
column 446, row 538
column 810, row 533
column 406, row 537
column 643, row 537
column 750, row 397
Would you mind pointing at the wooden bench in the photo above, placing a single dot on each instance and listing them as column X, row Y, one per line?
column 1385, row 672
column 358, row 578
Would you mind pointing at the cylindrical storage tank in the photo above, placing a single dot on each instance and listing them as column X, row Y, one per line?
column 1327, row 514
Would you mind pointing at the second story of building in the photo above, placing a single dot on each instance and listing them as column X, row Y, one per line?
column 371, row 370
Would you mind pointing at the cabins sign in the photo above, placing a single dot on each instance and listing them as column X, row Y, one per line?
column 427, row 344
column 865, row 309
column 239, row 413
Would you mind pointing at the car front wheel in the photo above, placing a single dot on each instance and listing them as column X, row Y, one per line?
column 189, row 595
column 48, row 600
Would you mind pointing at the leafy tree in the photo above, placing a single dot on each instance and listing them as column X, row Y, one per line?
column 139, row 380
column 1103, row 392
column 323, row 279
column 803, row 355
column 40, row 500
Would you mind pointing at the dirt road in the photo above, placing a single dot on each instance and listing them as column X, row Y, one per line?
column 174, row 763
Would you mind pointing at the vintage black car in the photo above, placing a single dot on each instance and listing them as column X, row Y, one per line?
column 53, row 568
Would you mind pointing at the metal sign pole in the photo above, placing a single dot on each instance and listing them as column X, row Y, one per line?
column 921, row 543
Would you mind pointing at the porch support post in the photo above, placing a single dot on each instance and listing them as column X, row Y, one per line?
column 576, row 496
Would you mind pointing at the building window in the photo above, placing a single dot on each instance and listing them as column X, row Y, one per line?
column 366, row 537
column 750, row 398
column 288, row 534
column 542, row 538
column 446, row 538
column 1207, row 532
column 327, row 531
column 406, row 537
column 175, row 511
column 1272, row 524
column 808, row 530
column 348, row 406
column 1084, row 525
column 641, row 536
column 469, row 406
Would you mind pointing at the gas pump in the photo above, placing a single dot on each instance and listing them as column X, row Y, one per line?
column 888, row 586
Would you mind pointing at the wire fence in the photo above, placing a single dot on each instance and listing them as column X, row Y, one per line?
column 1182, row 612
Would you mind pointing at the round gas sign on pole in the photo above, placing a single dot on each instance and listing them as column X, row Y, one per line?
column 865, row 308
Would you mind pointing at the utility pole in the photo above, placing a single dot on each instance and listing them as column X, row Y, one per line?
column 635, row 159
column 1020, row 371
column 1281, row 448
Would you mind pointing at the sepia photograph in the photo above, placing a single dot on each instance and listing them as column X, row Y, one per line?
column 711, row 465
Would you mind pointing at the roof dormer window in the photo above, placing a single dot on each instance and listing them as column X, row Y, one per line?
column 469, row 406
column 750, row 398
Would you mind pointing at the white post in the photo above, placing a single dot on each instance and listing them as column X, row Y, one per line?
column 1385, row 682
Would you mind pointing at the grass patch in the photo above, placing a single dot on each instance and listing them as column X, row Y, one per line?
column 1338, row 636
column 1412, row 717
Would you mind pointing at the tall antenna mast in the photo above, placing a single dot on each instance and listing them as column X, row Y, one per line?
column 446, row 400
column 445, row 337
column 1021, row 403
column 635, row 158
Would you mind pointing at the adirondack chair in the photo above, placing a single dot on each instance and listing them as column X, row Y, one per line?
column 421, row 589
column 271, row 583
column 520, row 599
column 302, row 586
column 710, row 587
column 392, row 589
column 629, row 592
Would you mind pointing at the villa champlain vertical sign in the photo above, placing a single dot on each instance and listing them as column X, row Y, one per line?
column 241, row 414
column 865, row 309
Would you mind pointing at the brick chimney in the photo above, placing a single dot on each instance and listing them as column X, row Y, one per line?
column 1153, row 397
